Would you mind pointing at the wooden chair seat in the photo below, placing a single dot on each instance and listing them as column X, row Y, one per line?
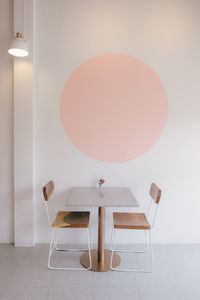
column 72, row 219
column 130, row 221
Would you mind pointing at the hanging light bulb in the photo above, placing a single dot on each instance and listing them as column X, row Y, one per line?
column 18, row 46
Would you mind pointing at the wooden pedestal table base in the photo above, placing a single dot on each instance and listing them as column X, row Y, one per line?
column 98, row 265
column 101, row 198
column 100, row 256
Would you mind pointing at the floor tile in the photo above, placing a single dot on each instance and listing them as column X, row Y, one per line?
column 31, row 274
column 183, row 262
column 24, row 275
column 68, row 278
column 71, row 294
column 128, row 293
column 25, row 294
column 66, row 259
column 7, row 269
column 1, row 292
column 73, row 278
column 158, row 285
column 114, row 279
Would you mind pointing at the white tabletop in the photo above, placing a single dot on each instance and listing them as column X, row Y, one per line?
column 108, row 196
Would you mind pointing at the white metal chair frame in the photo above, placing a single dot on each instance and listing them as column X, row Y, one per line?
column 54, row 245
column 148, row 242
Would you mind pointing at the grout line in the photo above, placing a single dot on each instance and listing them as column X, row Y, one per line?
column 178, row 284
column 137, row 286
column 2, row 293
column 163, row 264
column 50, row 285
column 48, row 293
column 169, row 272
column 94, row 292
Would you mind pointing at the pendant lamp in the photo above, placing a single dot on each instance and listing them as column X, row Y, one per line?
column 18, row 46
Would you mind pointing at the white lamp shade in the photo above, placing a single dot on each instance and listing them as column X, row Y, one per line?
column 18, row 47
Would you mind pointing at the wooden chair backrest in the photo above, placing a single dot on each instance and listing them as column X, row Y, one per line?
column 155, row 193
column 48, row 190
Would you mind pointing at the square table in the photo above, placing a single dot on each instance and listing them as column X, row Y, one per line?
column 101, row 197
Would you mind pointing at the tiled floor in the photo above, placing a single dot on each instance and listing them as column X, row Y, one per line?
column 24, row 276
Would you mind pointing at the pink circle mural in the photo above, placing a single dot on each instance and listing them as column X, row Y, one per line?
column 113, row 107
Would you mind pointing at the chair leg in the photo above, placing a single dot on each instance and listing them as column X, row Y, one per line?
column 67, row 249
column 151, row 251
column 53, row 245
column 148, row 245
column 112, row 248
column 128, row 250
column 89, row 248
column 111, row 240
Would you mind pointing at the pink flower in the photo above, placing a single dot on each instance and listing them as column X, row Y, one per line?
column 101, row 181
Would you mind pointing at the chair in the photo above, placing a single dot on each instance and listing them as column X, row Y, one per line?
column 137, row 221
column 65, row 220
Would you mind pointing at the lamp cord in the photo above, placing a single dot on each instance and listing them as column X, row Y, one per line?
column 18, row 16
column 22, row 17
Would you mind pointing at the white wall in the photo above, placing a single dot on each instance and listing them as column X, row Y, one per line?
column 23, row 98
column 163, row 34
column 6, row 123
